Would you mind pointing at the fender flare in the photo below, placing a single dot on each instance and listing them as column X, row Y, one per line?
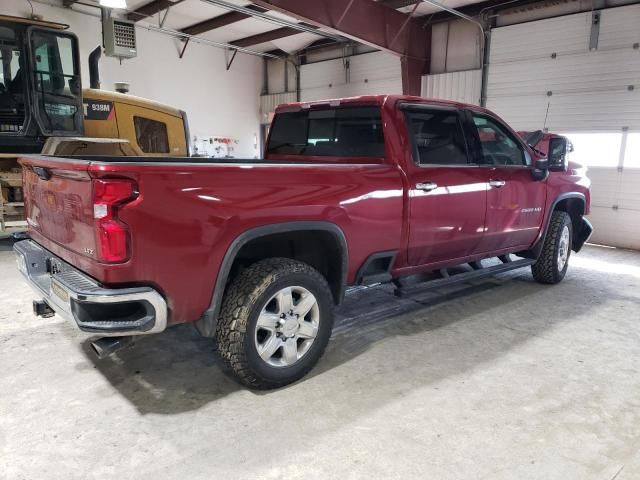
column 206, row 325
column 534, row 251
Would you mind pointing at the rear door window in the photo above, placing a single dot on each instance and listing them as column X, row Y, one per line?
column 334, row 132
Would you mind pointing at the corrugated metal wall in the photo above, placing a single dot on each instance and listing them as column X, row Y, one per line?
column 369, row 74
column 546, row 69
column 268, row 103
column 458, row 86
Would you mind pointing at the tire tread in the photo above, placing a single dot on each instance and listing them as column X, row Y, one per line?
column 240, row 298
column 545, row 269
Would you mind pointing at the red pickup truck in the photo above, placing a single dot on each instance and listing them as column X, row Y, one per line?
column 256, row 253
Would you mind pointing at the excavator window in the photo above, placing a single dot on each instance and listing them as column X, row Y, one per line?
column 151, row 135
column 12, row 101
column 57, row 81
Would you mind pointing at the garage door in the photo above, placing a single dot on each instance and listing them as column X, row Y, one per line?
column 367, row 74
column 579, row 75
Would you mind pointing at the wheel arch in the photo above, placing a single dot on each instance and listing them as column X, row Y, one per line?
column 294, row 240
column 573, row 203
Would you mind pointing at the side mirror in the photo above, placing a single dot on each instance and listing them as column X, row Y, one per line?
column 540, row 169
column 533, row 138
column 541, row 164
column 558, row 154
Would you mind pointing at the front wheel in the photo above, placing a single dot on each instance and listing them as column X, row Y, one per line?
column 275, row 322
column 551, row 266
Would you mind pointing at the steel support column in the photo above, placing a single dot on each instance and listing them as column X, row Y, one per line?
column 372, row 23
column 412, row 71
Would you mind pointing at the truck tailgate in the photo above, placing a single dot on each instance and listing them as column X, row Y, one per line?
column 58, row 201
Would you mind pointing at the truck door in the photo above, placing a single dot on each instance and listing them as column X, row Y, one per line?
column 447, row 194
column 515, row 201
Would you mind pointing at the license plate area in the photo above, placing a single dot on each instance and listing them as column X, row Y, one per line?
column 59, row 291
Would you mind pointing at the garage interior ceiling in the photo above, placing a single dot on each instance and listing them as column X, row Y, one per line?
column 211, row 21
column 218, row 24
column 407, row 6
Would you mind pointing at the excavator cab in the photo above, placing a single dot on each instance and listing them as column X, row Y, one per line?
column 40, row 88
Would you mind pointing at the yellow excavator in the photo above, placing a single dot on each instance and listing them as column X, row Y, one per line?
column 44, row 109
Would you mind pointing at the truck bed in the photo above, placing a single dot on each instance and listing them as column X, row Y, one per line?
column 189, row 211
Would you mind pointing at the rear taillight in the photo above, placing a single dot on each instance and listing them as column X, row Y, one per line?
column 112, row 236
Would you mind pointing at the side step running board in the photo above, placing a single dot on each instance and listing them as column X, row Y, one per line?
column 463, row 277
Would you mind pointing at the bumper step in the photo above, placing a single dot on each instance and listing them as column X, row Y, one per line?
column 95, row 308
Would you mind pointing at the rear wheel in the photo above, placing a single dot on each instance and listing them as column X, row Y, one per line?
column 275, row 322
column 551, row 266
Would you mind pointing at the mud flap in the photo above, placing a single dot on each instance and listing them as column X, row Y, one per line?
column 581, row 234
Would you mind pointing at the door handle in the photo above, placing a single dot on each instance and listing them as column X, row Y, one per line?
column 497, row 183
column 426, row 186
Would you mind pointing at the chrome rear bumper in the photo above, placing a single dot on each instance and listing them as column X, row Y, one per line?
column 94, row 308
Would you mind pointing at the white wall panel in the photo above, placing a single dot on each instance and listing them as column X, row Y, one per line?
column 375, row 66
column 577, row 91
column 569, row 112
column 268, row 103
column 562, row 35
column 370, row 74
column 617, row 228
column 605, row 186
column 619, row 28
column 615, row 206
column 455, row 46
column 322, row 74
column 275, row 75
column 457, row 86
column 588, row 89
column 587, row 72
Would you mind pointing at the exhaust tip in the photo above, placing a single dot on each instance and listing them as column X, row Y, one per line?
column 103, row 347
column 94, row 69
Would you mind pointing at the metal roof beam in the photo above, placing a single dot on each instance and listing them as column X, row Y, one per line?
column 271, row 19
column 186, row 37
column 372, row 23
column 220, row 21
column 395, row 4
column 265, row 37
column 151, row 9
column 363, row 20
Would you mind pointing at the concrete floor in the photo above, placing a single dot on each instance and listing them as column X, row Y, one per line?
column 503, row 379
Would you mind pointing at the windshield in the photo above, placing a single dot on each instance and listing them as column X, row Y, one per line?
column 57, row 82
column 12, row 99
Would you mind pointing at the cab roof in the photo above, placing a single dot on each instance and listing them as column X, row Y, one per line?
column 377, row 100
column 106, row 95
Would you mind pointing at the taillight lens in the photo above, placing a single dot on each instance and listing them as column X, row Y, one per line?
column 112, row 236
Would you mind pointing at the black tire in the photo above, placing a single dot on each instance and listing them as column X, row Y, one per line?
column 546, row 269
column 243, row 302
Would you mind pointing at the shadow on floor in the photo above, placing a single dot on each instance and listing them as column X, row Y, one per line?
column 6, row 245
column 178, row 370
